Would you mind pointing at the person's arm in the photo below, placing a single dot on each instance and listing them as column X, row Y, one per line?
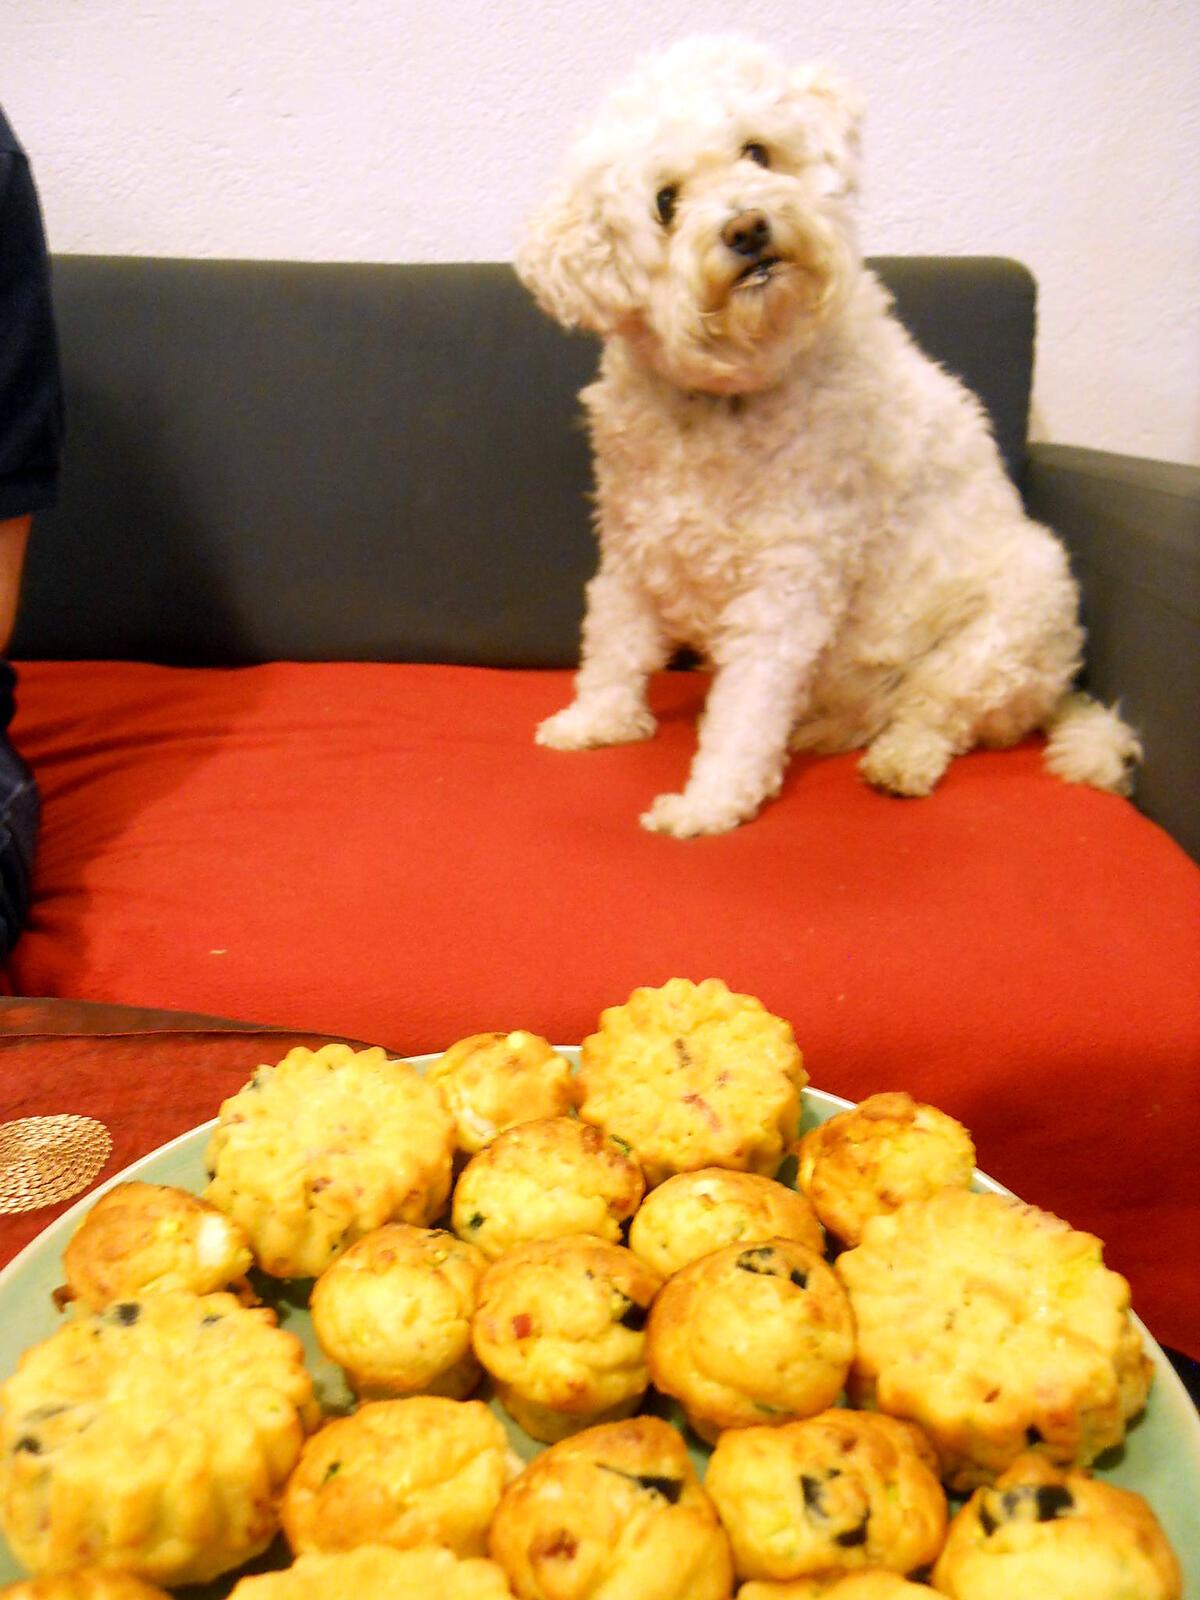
column 14, row 537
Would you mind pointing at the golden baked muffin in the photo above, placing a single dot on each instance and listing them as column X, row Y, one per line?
column 996, row 1327
column 691, row 1075
column 401, row 1472
column 317, row 1151
column 757, row 1333
column 561, row 1328
column 140, row 1237
column 492, row 1081
column 395, row 1312
column 868, row 1161
column 1045, row 1533
column 876, row 1584
column 91, row 1583
column 545, row 1180
column 841, row 1490
column 379, row 1572
column 695, row 1213
column 152, row 1437
column 615, row 1511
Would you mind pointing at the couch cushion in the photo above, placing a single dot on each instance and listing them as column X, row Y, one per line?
column 261, row 435
column 381, row 851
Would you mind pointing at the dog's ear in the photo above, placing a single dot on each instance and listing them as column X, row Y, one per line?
column 567, row 260
column 837, row 126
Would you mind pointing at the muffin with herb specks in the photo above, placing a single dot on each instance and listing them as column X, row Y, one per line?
column 841, row 1490
column 695, row 1213
column 1040, row 1531
column 402, row 1472
column 153, row 1437
column 616, row 1510
column 561, row 1328
column 753, row 1334
column 546, row 1180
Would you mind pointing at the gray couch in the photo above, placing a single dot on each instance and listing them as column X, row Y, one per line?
column 354, row 462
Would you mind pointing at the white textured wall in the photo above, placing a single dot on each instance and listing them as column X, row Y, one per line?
column 1063, row 132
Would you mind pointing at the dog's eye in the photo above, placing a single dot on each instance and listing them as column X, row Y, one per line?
column 665, row 202
column 756, row 152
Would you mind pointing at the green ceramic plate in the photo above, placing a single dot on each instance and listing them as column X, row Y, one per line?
column 1160, row 1458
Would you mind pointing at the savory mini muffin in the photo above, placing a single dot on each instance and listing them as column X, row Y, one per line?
column 1041, row 1532
column 492, row 1081
column 153, row 1437
column 561, row 1328
column 616, row 1510
column 379, row 1572
column 91, row 1583
column 401, row 1472
column 395, row 1312
column 317, row 1151
column 868, row 1161
column 996, row 1327
column 692, row 1076
column 842, row 1490
column 545, row 1180
column 876, row 1584
column 141, row 1237
column 751, row 1334
column 695, row 1213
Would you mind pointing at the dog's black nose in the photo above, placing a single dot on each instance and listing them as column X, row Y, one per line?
column 747, row 234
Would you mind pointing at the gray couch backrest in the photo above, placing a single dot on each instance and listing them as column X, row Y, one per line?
column 274, row 460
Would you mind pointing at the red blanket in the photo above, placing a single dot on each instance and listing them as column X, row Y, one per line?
column 382, row 852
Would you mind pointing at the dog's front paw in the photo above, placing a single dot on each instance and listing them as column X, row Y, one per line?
column 685, row 816
column 582, row 727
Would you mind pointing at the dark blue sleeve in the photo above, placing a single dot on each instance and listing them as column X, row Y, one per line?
column 31, row 407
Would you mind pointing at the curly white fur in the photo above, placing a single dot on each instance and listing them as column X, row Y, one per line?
column 784, row 481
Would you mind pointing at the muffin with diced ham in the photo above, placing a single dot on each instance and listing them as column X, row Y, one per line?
column 379, row 1572
column 140, row 1237
column 319, row 1150
column 996, row 1327
column 492, row 1081
column 868, row 1161
column 395, row 1313
column 692, row 1075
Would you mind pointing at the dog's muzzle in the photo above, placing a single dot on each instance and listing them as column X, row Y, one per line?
column 748, row 236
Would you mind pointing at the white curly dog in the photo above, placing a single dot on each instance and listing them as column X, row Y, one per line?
column 785, row 483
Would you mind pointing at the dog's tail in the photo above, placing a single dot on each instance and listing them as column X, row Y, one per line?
column 1090, row 743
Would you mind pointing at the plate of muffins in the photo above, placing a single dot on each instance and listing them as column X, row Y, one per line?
column 646, row 1319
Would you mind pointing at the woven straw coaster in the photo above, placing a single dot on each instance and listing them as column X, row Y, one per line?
column 47, row 1159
